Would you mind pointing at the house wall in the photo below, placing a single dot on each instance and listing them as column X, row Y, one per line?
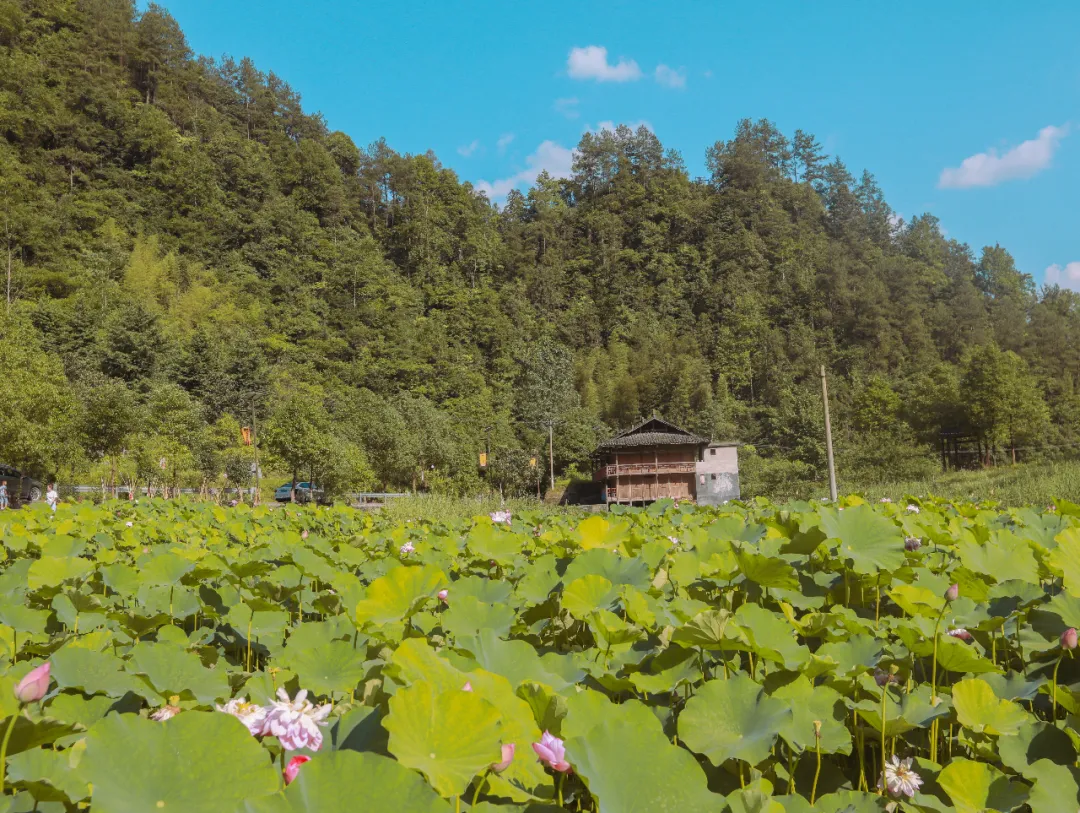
column 717, row 477
column 646, row 487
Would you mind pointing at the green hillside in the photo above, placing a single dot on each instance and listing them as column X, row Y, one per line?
column 186, row 251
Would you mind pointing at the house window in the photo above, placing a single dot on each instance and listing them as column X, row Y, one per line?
column 712, row 452
column 702, row 480
column 714, row 478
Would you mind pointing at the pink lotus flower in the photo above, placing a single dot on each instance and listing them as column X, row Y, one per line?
column 292, row 770
column 1069, row 638
column 250, row 714
column 406, row 549
column 960, row 633
column 303, row 535
column 507, row 758
column 296, row 723
column 165, row 713
column 885, row 501
column 130, row 524
column 953, row 593
column 674, row 540
column 899, row 778
column 467, row 687
column 500, row 517
column 444, row 595
column 552, row 752
column 35, row 685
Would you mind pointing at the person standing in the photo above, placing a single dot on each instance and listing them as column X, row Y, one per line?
column 3, row 495
column 51, row 497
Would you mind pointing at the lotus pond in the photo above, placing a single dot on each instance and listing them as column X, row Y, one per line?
column 186, row 657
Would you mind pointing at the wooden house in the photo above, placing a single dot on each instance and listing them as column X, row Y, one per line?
column 656, row 459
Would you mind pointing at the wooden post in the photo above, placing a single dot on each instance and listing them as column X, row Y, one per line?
column 255, row 451
column 828, row 436
column 618, row 480
column 551, row 453
column 656, row 471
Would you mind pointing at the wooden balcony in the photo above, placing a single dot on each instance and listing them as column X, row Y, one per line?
column 649, row 468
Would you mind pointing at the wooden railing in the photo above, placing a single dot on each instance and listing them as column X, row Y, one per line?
column 650, row 468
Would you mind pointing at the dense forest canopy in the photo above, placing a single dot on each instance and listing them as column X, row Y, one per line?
column 185, row 251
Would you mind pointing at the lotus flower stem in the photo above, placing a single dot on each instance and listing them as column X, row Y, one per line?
column 1054, row 690
column 817, row 770
column 3, row 751
column 884, row 695
column 558, row 786
column 457, row 804
column 479, row 785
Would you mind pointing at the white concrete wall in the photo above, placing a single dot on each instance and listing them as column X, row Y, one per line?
column 717, row 476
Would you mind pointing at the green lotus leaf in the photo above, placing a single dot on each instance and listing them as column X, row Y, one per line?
column 979, row 709
column 493, row 543
column 856, row 654
column 52, row 571
column 312, row 564
column 756, row 797
column 1005, row 553
column 197, row 762
column 1054, row 789
column 975, row 787
column 588, row 594
column 811, row 703
column 34, row 733
column 172, row 671
column 448, row 736
column 348, row 781
column 771, row 636
column 619, row 570
column 956, row 656
column 733, row 719
column 538, row 582
column 488, row 807
column 1036, row 740
column 630, row 769
column 519, row 662
column 768, row 571
column 56, row 769
column 164, row 570
column 467, row 616
column 1065, row 559
column 672, row 668
column 327, row 669
column 916, row 709
column 489, row 591
column 705, row 629
column 915, row 600
column 121, row 579
column 597, row 532
column 870, row 541
column 610, row 631
column 588, row 709
column 399, row 593
column 92, row 672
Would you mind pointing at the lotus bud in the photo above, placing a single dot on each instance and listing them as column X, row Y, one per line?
column 953, row 593
column 444, row 595
column 467, row 687
column 292, row 770
column 507, row 758
column 817, row 729
column 35, row 685
column 912, row 544
column 961, row 633
column 1069, row 638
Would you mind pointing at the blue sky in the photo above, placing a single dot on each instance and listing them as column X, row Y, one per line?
column 970, row 111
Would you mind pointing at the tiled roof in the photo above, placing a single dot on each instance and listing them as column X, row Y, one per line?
column 652, row 439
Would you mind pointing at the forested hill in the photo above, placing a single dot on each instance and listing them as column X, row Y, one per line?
column 186, row 251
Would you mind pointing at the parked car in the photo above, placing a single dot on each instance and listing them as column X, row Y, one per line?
column 20, row 487
column 305, row 492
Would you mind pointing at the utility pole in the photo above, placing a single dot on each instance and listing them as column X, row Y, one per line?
column 551, row 452
column 255, row 451
column 828, row 436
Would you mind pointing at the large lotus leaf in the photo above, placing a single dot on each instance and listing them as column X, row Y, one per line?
column 588, row 594
column 164, row 570
column 56, row 769
column 197, row 762
column 1036, row 740
column 978, row 708
column 33, row 733
column 269, row 625
column 449, row 736
column 1055, row 788
column 489, row 591
column 489, row 542
column 768, row 571
column 771, row 636
column 23, row 619
column 870, row 541
column 488, row 807
column 539, row 580
column 756, row 797
column 349, row 781
column 312, row 564
column 672, row 668
column 52, row 571
column 619, row 570
column 327, row 669
column 856, row 654
column 732, row 719
column 916, row 600
column 120, row 578
column 588, row 709
column 630, row 769
column 975, row 787
column 611, row 631
column 1065, row 559
column 848, row 801
column 1004, row 555
column 92, row 672
column 397, row 595
column 597, row 532
column 467, row 616
column 956, row 656
column 172, row 671
column 518, row 662
column 811, row 703
column 916, row 709
column 705, row 630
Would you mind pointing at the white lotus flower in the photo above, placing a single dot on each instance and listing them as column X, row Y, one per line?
column 165, row 713
column 912, row 509
column 500, row 517
column 885, row 501
column 899, row 779
column 406, row 549
column 296, row 723
column 674, row 540
column 250, row 714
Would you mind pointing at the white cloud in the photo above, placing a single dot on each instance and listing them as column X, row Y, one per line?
column 469, row 149
column 1067, row 277
column 669, row 77
column 556, row 159
column 504, row 141
column 1022, row 161
column 568, row 107
column 591, row 62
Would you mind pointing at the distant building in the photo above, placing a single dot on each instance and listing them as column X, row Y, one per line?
column 658, row 460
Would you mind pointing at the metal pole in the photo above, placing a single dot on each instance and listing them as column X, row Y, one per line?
column 551, row 453
column 828, row 436
column 255, row 451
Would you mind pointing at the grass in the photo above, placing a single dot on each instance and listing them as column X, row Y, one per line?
column 1024, row 484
